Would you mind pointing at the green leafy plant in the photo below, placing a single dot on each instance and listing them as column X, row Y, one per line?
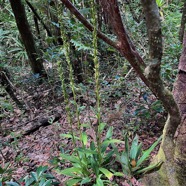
column 4, row 106
column 86, row 168
column 160, row 3
column 149, row 109
column 133, row 158
column 36, row 178
column 88, row 162
column 5, row 173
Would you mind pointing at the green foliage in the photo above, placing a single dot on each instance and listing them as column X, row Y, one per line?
column 5, row 173
column 172, row 46
column 34, row 178
column 160, row 3
column 133, row 158
column 114, row 89
column 85, row 165
column 12, row 46
column 5, row 106
column 148, row 110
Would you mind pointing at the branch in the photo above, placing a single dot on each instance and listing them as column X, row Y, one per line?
column 154, row 29
column 38, row 17
column 89, row 26
column 126, row 47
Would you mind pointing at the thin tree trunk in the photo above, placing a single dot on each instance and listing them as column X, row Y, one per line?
column 27, row 37
column 54, row 19
column 5, row 82
column 38, row 17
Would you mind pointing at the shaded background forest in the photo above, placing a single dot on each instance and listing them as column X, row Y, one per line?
column 32, row 108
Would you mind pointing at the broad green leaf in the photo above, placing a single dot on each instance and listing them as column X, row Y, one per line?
column 134, row 148
column 109, row 133
column 149, row 168
column 40, row 170
column 99, row 182
column 88, row 151
column 126, row 144
column 85, row 180
column 1, row 170
column 115, row 149
column 42, row 182
column 107, row 157
column 49, row 176
column 104, row 147
column 11, row 183
column 92, row 145
column 73, row 181
column 124, row 159
column 34, row 175
column 119, row 174
column 47, row 183
column 102, row 126
column 28, row 180
column 94, row 165
column 147, row 152
column 107, row 142
column 68, row 136
column 70, row 158
column 84, row 138
column 73, row 171
column 138, row 151
column 106, row 172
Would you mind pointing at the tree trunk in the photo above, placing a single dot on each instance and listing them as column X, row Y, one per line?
column 183, row 21
column 173, row 173
column 180, row 97
column 54, row 18
column 27, row 37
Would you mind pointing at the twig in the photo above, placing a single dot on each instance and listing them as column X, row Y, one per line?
column 128, row 73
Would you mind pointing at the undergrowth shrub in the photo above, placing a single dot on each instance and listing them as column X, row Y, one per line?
column 40, row 177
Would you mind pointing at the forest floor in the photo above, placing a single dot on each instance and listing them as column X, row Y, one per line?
column 126, row 105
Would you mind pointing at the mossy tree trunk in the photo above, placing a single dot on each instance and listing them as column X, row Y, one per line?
column 172, row 150
column 27, row 37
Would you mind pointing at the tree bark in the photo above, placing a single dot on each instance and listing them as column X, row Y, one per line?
column 27, row 37
column 183, row 21
column 180, row 97
column 4, row 81
column 89, row 26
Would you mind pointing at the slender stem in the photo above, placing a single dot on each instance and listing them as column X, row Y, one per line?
column 96, row 76
column 66, row 46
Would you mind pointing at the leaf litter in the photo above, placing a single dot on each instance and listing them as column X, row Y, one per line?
column 27, row 152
